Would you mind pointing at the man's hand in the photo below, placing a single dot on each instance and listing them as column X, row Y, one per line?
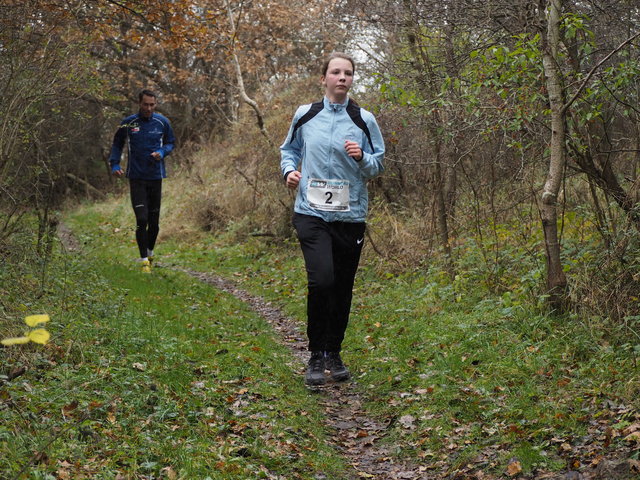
column 117, row 171
column 293, row 179
column 156, row 156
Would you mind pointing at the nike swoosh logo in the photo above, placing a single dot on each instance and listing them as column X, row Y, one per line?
column 359, row 241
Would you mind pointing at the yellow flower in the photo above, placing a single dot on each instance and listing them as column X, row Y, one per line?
column 33, row 320
column 15, row 341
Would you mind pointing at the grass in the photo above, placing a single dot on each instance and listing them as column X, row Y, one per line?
column 161, row 375
column 477, row 374
column 155, row 376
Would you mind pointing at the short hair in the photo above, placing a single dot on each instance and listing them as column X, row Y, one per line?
column 344, row 56
column 146, row 93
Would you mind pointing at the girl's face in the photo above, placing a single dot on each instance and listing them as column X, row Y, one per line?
column 338, row 79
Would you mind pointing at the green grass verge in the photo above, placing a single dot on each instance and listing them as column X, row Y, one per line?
column 151, row 376
column 172, row 375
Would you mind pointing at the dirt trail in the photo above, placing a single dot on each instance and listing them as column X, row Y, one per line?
column 355, row 435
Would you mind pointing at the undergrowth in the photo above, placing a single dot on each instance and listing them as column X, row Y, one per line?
column 468, row 373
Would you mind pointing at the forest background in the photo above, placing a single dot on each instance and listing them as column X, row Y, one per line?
column 512, row 132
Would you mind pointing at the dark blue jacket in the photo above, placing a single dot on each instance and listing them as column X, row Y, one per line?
column 144, row 136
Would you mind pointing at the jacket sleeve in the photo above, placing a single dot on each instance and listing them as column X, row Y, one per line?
column 371, row 164
column 168, row 140
column 291, row 149
column 118, row 144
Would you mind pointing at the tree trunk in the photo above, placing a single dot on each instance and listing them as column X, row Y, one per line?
column 556, row 280
column 243, row 93
column 442, row 201
column 441, row 211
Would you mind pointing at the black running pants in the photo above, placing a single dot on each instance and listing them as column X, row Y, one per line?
column 145, row 199
column 331, row 253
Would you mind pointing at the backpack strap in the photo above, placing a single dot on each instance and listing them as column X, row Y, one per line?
column 352, row 109
column 354, row 112
column 315, row 109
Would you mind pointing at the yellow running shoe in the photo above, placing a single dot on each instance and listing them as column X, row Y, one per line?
column 146, row 266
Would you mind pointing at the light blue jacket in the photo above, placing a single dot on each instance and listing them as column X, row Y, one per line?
column 318, row 147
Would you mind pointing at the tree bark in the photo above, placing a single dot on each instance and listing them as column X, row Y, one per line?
column 556, row 280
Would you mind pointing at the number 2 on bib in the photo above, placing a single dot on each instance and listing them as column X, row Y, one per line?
column 328, row 195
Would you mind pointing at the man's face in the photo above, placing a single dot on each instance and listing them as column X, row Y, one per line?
column 147, row 106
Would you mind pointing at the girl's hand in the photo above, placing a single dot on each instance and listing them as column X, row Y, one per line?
column 293, row 179
column 353, row 150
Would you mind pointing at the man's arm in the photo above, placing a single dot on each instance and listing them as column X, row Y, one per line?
column 168, row 141
column 119, row 140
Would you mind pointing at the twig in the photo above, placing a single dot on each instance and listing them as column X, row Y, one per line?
column 593, row 70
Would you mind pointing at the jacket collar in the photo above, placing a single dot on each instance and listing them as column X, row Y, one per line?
column 142, row 118
column 335, row 106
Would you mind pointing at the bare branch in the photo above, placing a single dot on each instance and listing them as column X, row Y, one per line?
column 595, row 68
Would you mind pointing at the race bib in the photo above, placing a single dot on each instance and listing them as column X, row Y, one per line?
column 328, row 195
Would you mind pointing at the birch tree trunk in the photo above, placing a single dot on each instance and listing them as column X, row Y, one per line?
column 556, row 280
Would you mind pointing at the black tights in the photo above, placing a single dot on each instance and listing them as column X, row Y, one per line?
column 331, row 254
column 145, row 199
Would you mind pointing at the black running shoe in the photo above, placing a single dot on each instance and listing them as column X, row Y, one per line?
column 315, row 370
column 334, row 364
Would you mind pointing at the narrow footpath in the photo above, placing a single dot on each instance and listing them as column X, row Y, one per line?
column 355, row 435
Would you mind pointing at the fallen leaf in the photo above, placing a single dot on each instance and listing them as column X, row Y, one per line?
column 169, row 472
column 631, row 428
column 345, row 425
column 407, row 421
column 365, row 475
column 565, row 447
column 514, row 467
column 69, row 408
column 633, row 437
